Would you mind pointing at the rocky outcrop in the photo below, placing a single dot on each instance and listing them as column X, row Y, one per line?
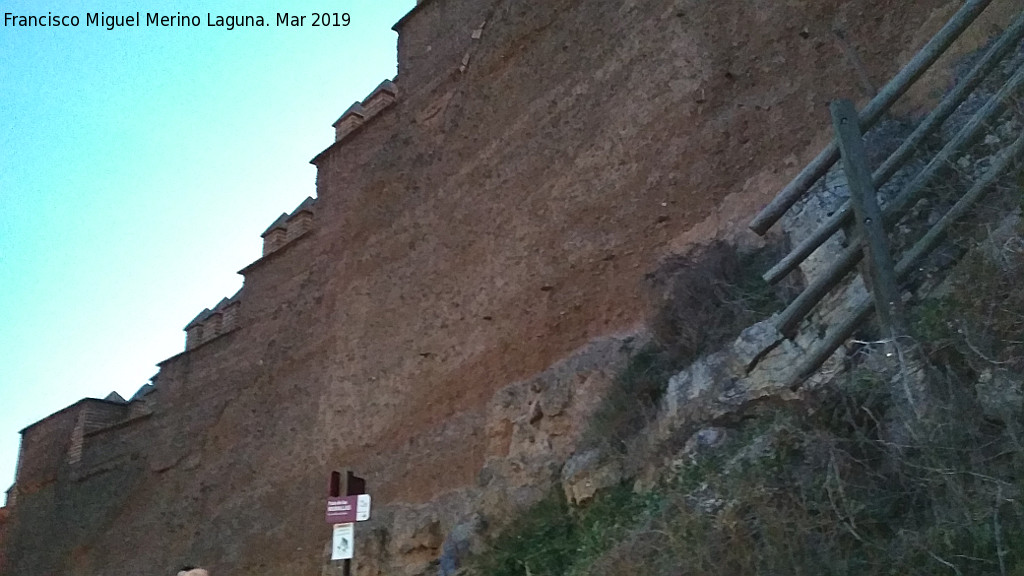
column 533, row 429
column 588, row 472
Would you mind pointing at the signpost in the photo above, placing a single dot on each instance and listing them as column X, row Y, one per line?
column 344, row 541
column 347, row 503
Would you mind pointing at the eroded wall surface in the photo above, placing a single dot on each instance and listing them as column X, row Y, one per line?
column 539, row 160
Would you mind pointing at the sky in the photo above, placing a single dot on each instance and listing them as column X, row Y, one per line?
column 138, row 168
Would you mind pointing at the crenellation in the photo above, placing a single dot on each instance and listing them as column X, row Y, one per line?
column 137, row 409
column 59, row 440
column 211, row 324
column 230, row 317
column 276, row 236
column 299, row 225
column 301, row 219
column 381, row 97
column 44, row 446
column 350, row 120
column 434, row 37
column 144, row 390
column 358, row 114
column 194, row 331
column 94, row 415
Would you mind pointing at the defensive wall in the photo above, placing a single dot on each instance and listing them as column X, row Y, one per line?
column 488, row 212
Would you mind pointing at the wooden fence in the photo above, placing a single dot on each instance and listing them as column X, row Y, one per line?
column 872, row 223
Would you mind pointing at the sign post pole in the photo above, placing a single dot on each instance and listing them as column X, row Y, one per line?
column 343, row 512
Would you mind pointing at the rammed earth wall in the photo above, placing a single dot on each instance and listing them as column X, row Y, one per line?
column 539, row 160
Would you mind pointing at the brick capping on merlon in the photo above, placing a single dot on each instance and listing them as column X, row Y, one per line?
column 288, row 227
column 276, row 235
column 383, row 96
column 210, row 324
column 350, row 120
column 301, row 219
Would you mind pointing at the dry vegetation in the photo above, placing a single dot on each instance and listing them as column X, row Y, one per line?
column 700, row 301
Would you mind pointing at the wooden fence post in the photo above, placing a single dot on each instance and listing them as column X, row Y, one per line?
column 909, row 385
column 884, row 289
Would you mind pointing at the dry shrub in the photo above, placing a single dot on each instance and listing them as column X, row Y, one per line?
column 632, row 400
column 979, row 324
column 702, row 300
column 707, row 297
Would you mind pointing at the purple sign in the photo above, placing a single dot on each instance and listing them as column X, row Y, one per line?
column 345, row 509
column 341, row 510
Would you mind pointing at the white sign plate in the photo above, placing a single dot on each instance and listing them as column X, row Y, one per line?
column 344, row 542
column 363, row 507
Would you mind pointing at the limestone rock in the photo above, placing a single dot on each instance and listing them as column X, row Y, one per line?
column 418, row 532
column 704, row 439
column 756, row 341
column 588, row 472
column 692, row 384
column 464, row 539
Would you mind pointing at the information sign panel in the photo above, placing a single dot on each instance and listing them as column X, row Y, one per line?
column 344, row 541
column 344, row 509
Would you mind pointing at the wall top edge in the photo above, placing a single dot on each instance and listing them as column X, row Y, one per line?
column 419, row 5
column 279, row 223
column 259, row 262
column 353, row 110
column 69, row 408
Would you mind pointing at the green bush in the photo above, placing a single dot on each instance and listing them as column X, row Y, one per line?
column 554, row 539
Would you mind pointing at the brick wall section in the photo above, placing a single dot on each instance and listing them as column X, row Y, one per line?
column 378, row 101
column 346, row 125
column 44, row 447
column 485, row 226
column 274, row 240
column 434, row 37
column 193, row 337
column 299, row 225
column 4, row 522
column 231, row 316
column 92, row 415
column 112, row 446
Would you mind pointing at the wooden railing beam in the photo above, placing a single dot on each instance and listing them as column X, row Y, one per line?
column 910, row 260
column 871, row 113
column 1009, row 40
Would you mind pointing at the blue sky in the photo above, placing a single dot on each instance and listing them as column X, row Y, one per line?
column 138, row 168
